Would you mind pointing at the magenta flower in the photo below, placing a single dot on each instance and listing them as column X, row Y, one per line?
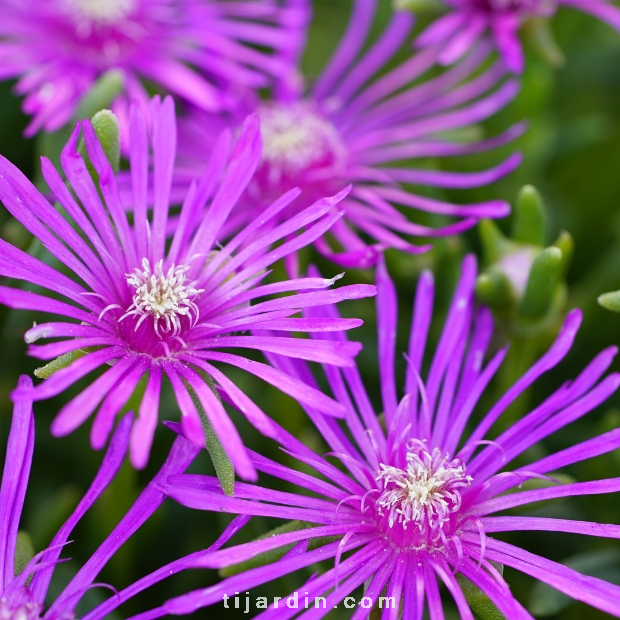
column 470, row 20
column 353, row 126
column 23, row 599
column 204, row 51
column 154, row 310
column 417, row 503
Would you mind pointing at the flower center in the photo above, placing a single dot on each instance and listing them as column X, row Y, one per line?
column 426, row 493
column 296, row 139
column 164, row 296
column 24, row 609
column 91, row 12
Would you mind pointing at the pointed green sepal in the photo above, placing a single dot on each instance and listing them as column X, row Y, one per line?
column 478, row 601
column 268, row 557
column 224, row 469
column 541, row 284
column 530, row 219
column 24, row 552
column 493, row 288
column 494, row 244
column 610, row 301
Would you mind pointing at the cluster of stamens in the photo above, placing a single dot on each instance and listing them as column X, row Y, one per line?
column 426, row 493
column 166, row 297
column 296, row 138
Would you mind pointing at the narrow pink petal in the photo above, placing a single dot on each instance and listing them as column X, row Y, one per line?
column 144, row 427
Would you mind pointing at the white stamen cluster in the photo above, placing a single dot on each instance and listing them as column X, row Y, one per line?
column 166, row 297
column 426, row 492
column 90, row 12
column 26, row 610
column 295, row 137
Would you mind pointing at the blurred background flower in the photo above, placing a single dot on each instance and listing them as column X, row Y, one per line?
column 203, row 51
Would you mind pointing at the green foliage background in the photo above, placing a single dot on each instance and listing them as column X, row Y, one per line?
column 571, row 153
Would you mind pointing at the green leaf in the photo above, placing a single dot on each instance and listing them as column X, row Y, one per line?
column 493, row 288
column 62, row 361
column 530, row 219
column 542, row 283
column 224, row 469
column 268, row 557
column 24, row 552
column 610, row 301
column 105, row 125
column 478, row 601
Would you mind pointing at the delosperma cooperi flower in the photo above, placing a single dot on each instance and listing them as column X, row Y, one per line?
column 357, row 126
column 153, row 311
column 416, row 498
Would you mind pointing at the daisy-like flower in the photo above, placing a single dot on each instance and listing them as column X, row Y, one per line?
column 470, row 20
column 151, row 309
column 415, row 505
column 205, row 51
column 23, row 595
column 354, row 126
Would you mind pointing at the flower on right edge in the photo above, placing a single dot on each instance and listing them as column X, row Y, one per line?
column 469, row 20
column 413, row 507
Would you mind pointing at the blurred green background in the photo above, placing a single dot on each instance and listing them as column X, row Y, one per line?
column 571, row 153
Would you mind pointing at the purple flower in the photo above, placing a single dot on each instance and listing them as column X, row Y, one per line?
column 353, row 126
column 204, row 51
column 417, row 503
column 22, row 598
column 469, row 20
column 152, row 309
